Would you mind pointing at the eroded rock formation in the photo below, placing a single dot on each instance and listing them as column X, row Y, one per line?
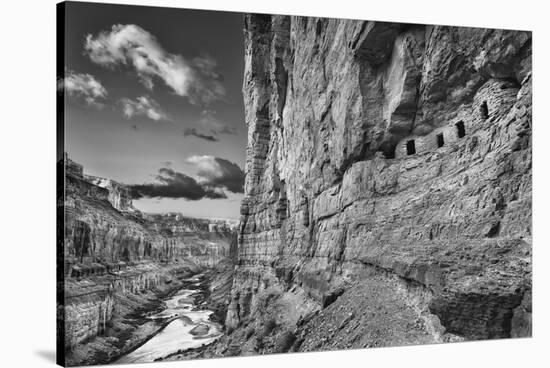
column 117, row 261
column 103, row 226
column 388, row 160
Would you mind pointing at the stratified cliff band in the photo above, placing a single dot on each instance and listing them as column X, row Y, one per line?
column 117, row 265
column 388, row 186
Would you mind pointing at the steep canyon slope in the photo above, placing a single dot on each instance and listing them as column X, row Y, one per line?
column 388, row 185
column 117, row 263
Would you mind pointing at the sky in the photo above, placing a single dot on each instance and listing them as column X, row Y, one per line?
column 153, row 100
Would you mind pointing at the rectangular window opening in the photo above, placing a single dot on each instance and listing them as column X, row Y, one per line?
column 484, row 110
column 460, row 130
column 440, row 140
column 411, row 149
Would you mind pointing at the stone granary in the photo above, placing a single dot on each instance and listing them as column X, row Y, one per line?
column 491, row 101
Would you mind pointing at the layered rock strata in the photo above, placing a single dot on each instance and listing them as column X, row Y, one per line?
column 106, row 315
column 90, row 301
column 383, row 154
column 102, row 227
column 117, row 262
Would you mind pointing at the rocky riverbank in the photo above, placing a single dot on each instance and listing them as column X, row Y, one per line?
column 215, row 296
column 187, row 324
column 138, row 317
column 128, row 325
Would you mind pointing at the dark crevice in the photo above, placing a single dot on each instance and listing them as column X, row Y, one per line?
column 494, row 230
column 319, row 27
column 358, row 37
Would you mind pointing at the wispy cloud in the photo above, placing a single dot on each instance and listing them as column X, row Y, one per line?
column 83, row 86
column 195, row 133
column 132, row 46
column 210, row 123
column 144, row 106
column 209, row 120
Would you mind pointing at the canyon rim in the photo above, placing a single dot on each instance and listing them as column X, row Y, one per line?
column 299, row 184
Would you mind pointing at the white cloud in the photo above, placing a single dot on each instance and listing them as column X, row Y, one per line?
column 143, row 105
column 134, row 47
column 84, row 86
column 217, row 172
column 206, row 165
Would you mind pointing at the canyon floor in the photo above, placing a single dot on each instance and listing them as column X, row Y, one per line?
column 138, row 318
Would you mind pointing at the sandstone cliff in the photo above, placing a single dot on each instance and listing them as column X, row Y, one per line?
column 387, row 161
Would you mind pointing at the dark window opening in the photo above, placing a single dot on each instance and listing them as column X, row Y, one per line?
column 411, row 149
column 126, row 254
column 484, row 110
column 460, row 131
column 440, row 140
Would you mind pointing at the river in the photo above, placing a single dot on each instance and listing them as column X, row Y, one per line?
column 189, row 327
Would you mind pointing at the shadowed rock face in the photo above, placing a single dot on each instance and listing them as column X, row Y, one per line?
column 332, row 197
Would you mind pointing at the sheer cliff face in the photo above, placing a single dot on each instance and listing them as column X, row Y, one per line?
column 400, row 151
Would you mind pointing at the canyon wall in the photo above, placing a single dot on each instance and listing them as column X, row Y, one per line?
column 103, row 227
column 116, row 260
column 384, row 159
column 206, row 242
column 90, row 302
